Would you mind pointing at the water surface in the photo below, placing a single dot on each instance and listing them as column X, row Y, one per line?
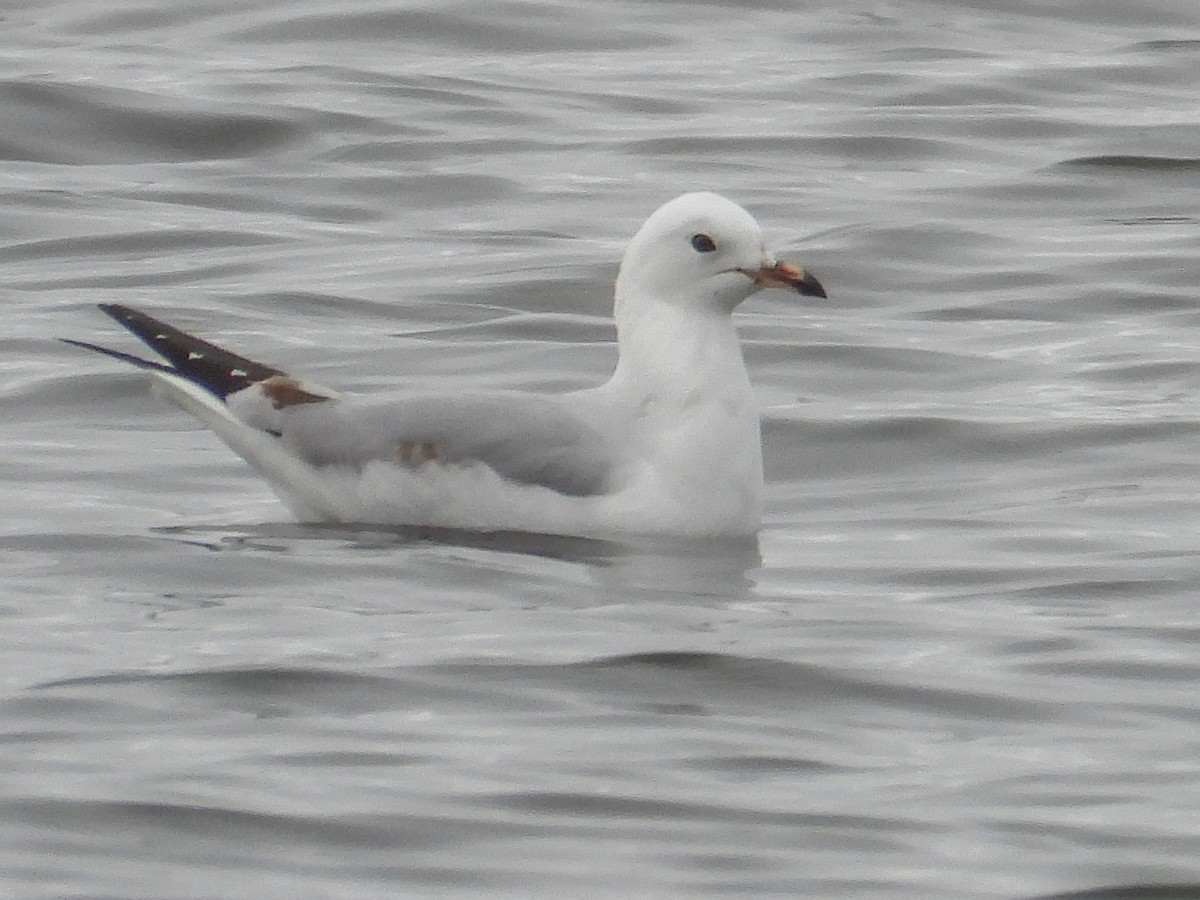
column 961, row 661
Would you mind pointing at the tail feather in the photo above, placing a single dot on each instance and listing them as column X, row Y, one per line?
column 296, row 482
column 214, row 368
column 198, row 378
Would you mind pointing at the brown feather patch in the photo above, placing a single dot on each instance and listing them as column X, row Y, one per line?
column 283, row 390
column 413, row 453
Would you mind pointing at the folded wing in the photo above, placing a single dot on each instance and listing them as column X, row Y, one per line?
column 523, row 437
column 526, row 438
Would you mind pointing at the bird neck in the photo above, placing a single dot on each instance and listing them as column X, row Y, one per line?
column 677, row 353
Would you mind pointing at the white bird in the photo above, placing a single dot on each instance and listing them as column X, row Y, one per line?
column 669, row 445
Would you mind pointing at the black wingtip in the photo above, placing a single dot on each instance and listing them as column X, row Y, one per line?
column 214, row 368
column 123, row 314
column 117, row 354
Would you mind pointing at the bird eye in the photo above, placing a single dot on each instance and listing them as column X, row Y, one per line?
column 702, row 243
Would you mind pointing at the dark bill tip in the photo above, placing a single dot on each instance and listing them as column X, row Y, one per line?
column 787, row 276
column 810, row 287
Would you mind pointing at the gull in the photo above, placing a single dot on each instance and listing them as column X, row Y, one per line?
column 670, row 445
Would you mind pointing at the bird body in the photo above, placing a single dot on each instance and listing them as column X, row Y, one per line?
column 669, row 445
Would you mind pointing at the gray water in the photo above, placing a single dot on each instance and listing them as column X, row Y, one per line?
column 962, row 661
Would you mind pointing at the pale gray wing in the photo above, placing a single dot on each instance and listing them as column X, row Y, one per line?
column 526, row 438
